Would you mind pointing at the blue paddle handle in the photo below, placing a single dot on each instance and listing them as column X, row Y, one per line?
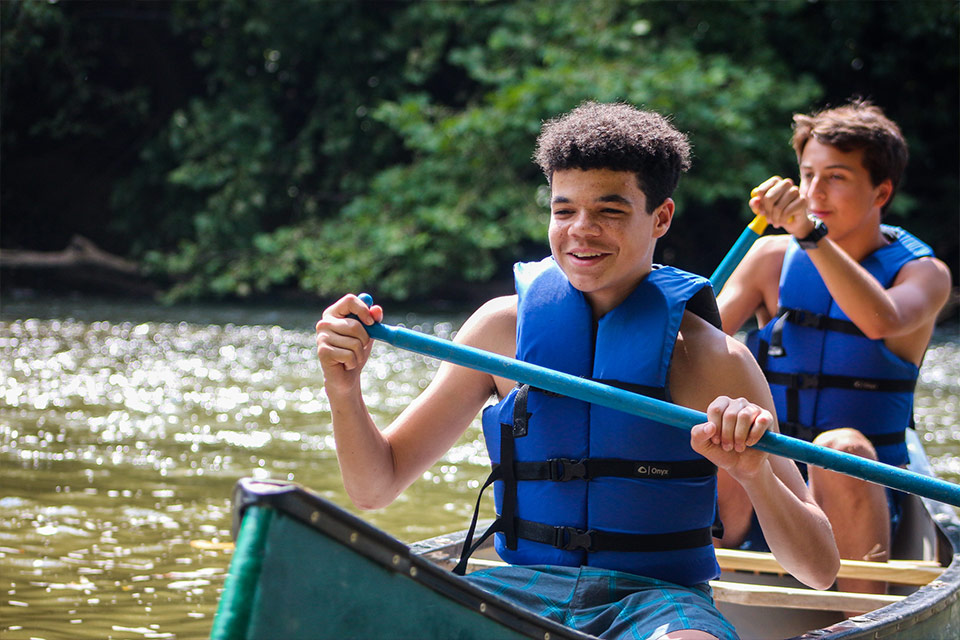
column 671, row 414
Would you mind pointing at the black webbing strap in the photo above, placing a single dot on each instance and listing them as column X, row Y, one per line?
column 803, row 432
column 803, row 318
column 504, row 471
column 886, row 439
column 573, row 539
column 469, row 546
column 764, row 352
column 824, row 381
column 508, row 455
column 566, row 469
column 659, row 393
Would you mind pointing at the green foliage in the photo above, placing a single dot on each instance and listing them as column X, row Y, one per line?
column 386, row 146
column 47, row 44
column 454, row 198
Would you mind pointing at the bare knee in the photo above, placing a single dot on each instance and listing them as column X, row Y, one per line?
column 840, row 494
column 847, row 440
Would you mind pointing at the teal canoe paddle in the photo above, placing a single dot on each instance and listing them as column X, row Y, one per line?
column 671, row 414
column 739, row 249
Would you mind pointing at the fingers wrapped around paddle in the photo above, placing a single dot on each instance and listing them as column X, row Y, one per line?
column 342, row 342
column 783, row 205
column 733, row 425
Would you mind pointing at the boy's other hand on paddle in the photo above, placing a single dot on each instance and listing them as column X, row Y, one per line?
column 733, row 425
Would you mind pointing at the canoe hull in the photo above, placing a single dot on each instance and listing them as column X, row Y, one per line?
column 304, row 568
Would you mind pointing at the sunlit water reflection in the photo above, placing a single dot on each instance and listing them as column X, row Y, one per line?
column 121, row 439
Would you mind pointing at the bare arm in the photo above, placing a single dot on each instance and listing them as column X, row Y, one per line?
column 377, row 466
column 753, row 287
column 904, row 314
column 714, row 373
column 911, row 303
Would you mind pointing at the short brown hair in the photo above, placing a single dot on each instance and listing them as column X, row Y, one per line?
column 858, row 125
column 619, row 137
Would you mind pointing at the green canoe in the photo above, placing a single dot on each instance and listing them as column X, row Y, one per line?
column 305, row 568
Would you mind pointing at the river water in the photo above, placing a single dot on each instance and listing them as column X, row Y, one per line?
column 123, row 428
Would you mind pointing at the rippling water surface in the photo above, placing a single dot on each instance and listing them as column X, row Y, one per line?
column 124, row 428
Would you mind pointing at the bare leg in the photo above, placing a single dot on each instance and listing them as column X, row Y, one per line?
column 857, row 509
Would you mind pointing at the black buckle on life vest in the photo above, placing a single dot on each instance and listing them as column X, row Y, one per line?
column 565, row 469
column 572, row 539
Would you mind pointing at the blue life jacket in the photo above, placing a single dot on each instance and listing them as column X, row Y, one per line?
column 824, row 373
column 578, row 483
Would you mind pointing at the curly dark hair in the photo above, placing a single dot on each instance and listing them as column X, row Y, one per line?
column 619, row 137
column 857, row 125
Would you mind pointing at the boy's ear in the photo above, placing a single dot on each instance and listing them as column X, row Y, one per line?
column 663, row 217
column 884, row 193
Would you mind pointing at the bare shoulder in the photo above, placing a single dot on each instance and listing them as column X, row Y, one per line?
column 928, row 271
column 700, row 344
column 769, row 250
column 708, row 363
column 492, row 327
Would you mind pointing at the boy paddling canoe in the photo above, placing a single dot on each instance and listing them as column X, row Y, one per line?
column 593, row 542
column 847, row 307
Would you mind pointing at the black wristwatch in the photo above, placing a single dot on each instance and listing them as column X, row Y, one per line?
column 811, row 239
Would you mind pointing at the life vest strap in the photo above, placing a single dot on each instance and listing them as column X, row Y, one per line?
column 803, row 432
column 824, row 381
column 469, row 546
column 574, row 539
column 804, row 318
column 565, row 469
column 659, row 393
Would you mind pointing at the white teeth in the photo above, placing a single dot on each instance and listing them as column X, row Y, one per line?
column 587, row 255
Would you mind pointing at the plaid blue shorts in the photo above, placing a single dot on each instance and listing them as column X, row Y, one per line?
column 605, row 603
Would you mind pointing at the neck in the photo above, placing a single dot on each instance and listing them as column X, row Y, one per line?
column 602, row 302
column 864, row 240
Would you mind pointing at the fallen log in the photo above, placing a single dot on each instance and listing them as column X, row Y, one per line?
column 81, row 265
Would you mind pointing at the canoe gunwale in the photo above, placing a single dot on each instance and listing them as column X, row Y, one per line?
column 391, row 554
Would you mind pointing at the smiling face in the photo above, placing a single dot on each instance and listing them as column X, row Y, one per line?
column 601, row 234
column 840, row 192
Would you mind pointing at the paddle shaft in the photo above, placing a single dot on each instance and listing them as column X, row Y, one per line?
column 739, row 249
column 671, row 414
